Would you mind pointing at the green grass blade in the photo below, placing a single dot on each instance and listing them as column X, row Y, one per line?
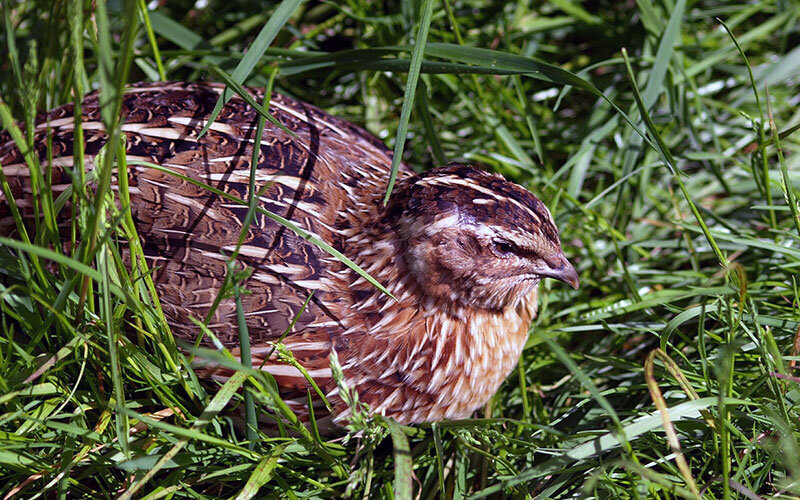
column 430, row 130
column 788, row 189
column 261, row 474
column 225, row 393
column 411, row 87
column 254, row 53
column 669, row 161
column 151, row 38
column 402, row 462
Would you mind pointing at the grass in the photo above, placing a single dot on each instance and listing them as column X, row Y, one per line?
column 662, row 135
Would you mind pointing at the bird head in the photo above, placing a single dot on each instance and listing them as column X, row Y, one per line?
column 476, row 239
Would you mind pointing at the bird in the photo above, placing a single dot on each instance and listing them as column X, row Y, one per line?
column 461, row 250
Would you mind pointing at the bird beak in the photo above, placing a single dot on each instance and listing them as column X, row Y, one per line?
column 564, row 272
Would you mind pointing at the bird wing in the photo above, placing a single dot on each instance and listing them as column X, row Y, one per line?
column 307, row 176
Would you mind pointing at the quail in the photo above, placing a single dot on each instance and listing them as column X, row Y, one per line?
column 461, row 251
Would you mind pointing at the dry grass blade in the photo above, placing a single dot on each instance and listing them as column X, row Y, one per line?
column 669, row 429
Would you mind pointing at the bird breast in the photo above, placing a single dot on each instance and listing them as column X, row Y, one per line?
column 421, row 361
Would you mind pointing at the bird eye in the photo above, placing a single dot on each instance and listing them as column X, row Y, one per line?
column 503, row 246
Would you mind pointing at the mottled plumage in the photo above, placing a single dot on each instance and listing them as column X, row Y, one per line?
column 462, row 250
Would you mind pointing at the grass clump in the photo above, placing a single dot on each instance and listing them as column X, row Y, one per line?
column 662, row 135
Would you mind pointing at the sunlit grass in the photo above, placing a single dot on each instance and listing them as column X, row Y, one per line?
column 668, row 167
